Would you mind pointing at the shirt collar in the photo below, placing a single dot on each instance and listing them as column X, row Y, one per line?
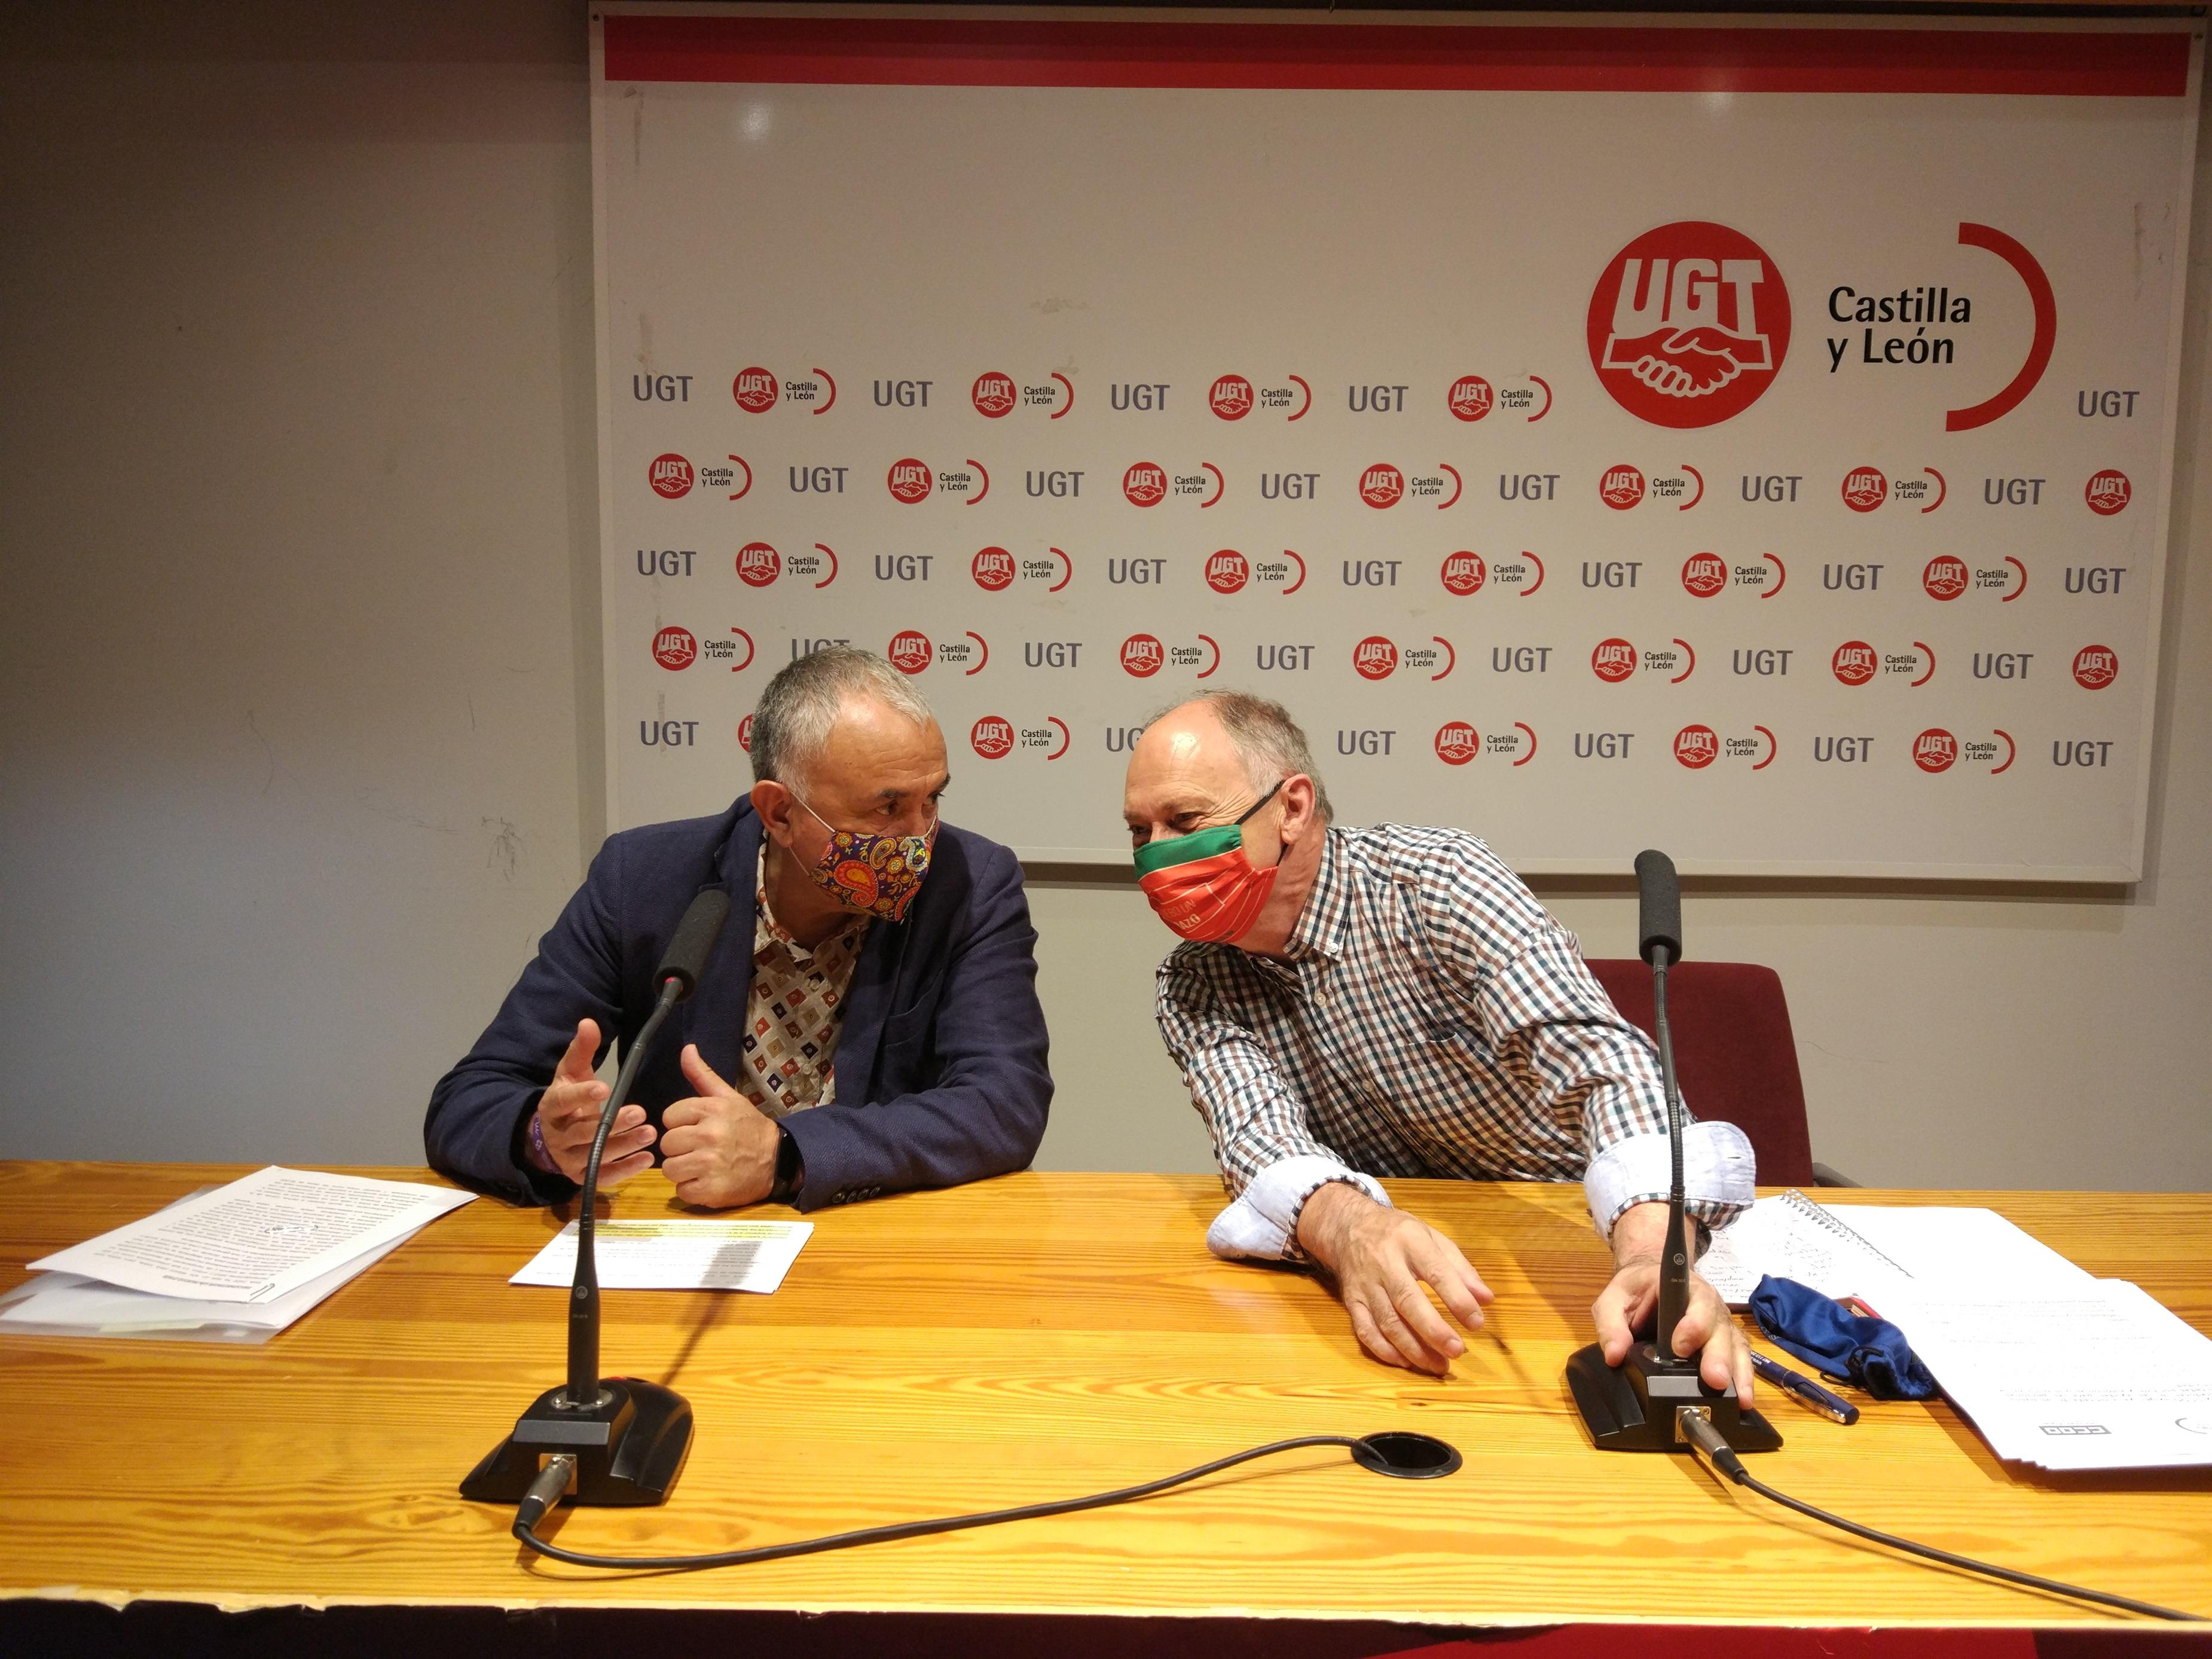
column 1321, row 925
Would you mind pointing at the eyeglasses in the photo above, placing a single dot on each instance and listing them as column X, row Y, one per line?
column 1142, row 837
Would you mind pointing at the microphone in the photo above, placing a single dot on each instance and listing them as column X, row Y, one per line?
column 624, row 1439
column 1658, row 910
column 685, row 959
column 1659, row 925
column 1644, row 1403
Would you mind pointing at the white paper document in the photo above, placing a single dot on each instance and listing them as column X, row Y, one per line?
column 69, row 1304
column 257, row 1239
column 2097, row 1376
column 1866, row 1250
column 676, row 1255
column 1940, row 1244
column 1792, row 1237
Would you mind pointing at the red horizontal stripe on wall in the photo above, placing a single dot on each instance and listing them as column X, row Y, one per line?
column 1448, row 58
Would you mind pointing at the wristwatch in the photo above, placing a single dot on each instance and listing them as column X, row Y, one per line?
column 790, row 1168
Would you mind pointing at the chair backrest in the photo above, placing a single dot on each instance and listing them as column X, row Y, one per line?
column 1734, row 1057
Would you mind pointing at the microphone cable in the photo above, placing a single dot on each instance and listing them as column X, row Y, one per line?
column 1698, row 1430
column 1407, row 1456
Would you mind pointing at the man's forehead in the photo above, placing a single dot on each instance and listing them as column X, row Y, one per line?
column 1188, row 738
column 874, row 751
column 1189, row 744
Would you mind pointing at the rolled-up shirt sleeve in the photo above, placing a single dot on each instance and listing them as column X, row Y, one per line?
column 1270, row 1161
column 1575, row 1058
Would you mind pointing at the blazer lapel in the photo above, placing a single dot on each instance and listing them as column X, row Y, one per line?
column 868, row 1003
column 714, row 1017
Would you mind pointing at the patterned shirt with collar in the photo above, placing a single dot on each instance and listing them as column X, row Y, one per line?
column 1429, row 1018
column 795, row 1010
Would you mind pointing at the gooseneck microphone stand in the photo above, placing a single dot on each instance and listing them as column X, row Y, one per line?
column 1638, row 1405
column 620, row 1440
column 1674, row 1263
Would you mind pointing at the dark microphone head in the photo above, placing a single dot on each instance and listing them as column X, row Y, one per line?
column 1658, row 906
column 685, row 959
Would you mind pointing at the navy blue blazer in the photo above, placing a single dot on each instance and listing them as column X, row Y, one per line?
column 940, row 1063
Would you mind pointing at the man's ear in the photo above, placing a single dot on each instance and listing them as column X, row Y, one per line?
column 775, row 804
column 1298, row 820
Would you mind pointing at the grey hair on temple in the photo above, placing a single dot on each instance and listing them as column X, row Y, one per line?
column 1268, row 741
column 793, row 721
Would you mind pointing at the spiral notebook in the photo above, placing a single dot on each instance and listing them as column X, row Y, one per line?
column 1792, row 1237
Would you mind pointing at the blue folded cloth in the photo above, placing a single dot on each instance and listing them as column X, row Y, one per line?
column 1847, row 1347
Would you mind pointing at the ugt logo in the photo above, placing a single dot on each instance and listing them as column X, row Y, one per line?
column 1934, row 749
column 1375, row 658
column 1697, row 746
column 909, row 480
column 1945, row 578
column 991, row 737
column 670, row 477
column 1382, row 485
column 1853, row 663
column 675, row 648
column 1470, row 398
column 755, row 390
column 909, row 651
column 2108, row 493
column 1705, row 574
column 1865, row 488
column 2095, row 667
column 1614, row 661
column 1142, row 655
column 1620, row 487
column 993, row 569
column 1464, row 573
column 1689, row 324
column 758, row 564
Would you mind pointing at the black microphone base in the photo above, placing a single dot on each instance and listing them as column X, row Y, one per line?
column 1631, row 1406
column 628, row 1448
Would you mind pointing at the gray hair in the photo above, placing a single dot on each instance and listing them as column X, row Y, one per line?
column 1266, row 739
column 796, row 711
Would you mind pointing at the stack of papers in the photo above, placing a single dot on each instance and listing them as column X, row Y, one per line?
column 2096, row 1377
column 231, row 1264
column 2052, row 1366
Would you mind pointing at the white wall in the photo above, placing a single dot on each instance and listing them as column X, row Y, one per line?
column 301, row 738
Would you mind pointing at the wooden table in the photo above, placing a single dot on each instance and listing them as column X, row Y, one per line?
column 1036, row 1336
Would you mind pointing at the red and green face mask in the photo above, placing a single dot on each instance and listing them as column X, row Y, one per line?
column 1204, row 885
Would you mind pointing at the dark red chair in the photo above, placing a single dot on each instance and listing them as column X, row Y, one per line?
column 1734, row 1057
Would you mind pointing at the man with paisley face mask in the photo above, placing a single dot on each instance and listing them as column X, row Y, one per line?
column 1393, row 1001
column 867, row 1022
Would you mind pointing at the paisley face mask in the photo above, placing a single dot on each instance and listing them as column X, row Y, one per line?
column 864, row 871
column 1203, row 884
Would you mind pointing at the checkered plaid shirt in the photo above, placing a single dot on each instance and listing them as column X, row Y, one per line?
column 1429, row 1018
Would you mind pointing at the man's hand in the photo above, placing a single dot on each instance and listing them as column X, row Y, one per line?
column 568, row 1116
column 1628, row 1303
column 719, row 1148
column 1380, row 1259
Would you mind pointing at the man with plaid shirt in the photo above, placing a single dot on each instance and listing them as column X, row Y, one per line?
column 1394, row 1002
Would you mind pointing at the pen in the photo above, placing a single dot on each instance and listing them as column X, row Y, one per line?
column 1805, row 1389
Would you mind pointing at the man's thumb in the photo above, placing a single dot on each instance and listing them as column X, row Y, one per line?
column 576, row 1064
column 702, row 1075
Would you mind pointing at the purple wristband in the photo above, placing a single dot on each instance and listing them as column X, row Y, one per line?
column 540, row 1155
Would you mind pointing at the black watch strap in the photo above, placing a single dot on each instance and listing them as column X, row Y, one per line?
column 790, row 1168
